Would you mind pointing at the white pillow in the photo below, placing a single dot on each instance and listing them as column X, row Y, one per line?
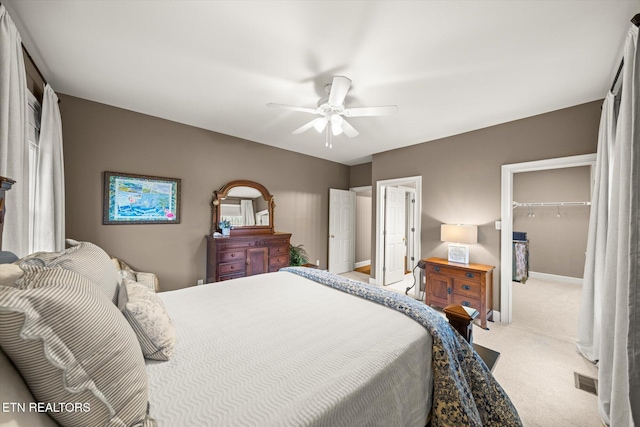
column 10, row 274
column 149, row 319
column 85, row 259
column 72, row 345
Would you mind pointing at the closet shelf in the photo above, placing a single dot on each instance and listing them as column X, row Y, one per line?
column 533, row 204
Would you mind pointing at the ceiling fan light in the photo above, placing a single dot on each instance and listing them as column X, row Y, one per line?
column 320, row 124
column 336, row 129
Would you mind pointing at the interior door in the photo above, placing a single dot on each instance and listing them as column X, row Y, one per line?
column 342, row 230
column 394, row 235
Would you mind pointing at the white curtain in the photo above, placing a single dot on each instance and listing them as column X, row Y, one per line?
column 609, row 322
column 48, row 227
column 246, row 210
column 14, row 149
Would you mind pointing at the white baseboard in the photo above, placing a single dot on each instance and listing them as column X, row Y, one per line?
column 496, row 316
column 556, row 278
column 362, row 264
column 372, row 281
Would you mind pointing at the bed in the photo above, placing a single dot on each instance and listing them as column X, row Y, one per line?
column 298, row 347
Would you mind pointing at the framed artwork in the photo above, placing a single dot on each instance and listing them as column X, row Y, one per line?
column 140, row 199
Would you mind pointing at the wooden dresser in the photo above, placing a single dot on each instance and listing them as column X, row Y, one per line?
column 231, row 257
column 470, row 285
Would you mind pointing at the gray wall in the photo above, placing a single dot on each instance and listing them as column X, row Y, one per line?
column 100, row 138
column 556, row 243
column 360, row 175
column 461, row 174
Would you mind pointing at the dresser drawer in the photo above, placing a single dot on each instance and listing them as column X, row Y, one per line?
column 281, row 260
column 231, row 276
column 235, row 245
column 467, row 287
column 232, row 256
column 232, row 267
column 466, row 301
column 279, row 250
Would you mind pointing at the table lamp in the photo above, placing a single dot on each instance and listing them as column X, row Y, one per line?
column 459, row 238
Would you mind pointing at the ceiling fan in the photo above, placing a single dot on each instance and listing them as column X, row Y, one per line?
column 333, row 111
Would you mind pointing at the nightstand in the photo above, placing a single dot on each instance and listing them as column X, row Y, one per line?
column 470, row 285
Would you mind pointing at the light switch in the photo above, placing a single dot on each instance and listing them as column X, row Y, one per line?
column 498, row 225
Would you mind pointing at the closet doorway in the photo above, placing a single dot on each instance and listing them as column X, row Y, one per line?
column 507, row 207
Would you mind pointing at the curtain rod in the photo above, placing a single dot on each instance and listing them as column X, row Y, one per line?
column 517, row 205
column 635, row 21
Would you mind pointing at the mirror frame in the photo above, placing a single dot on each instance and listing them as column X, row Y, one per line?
column 237, row 230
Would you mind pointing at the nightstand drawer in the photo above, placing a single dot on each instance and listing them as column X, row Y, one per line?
column 232, row 256
column 465, row 301
column 470, row 276
column 232, row 267
column 466, row 287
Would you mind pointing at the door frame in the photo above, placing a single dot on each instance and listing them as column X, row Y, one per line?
column 506, row 202
column 361, row 189
column 379, row 254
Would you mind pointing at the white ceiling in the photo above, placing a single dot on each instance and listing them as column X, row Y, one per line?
column 451, row 66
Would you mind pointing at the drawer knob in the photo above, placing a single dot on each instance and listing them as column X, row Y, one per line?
column 233, row 255
column 466, row 287
column 466, row 303
column 469, row 274
column 436, row 268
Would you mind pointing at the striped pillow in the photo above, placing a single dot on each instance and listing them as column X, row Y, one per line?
column 72, row 345
column 85, row 259
column 149, row 319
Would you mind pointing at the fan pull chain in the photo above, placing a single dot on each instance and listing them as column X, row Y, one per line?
column 328, row 139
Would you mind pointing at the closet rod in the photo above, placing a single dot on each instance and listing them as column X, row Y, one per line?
column 635, row 21
column 517, row 205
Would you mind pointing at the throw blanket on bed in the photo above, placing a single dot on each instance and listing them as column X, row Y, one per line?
column 465, row 393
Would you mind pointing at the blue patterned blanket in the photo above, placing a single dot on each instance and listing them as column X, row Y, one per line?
column 465, row 393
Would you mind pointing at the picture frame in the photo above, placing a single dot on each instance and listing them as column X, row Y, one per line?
column 140, row 199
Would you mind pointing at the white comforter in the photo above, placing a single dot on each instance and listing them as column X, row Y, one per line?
column 281, row 350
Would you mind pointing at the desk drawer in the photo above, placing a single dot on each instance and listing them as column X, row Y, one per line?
column 466, row 287
column 232, row 256
column 232, row 267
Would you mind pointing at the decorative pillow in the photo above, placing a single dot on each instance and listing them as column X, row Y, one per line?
column 10, row 274
column 7, row 257
column 149, row 319
column 86, row 259
column 74, row 349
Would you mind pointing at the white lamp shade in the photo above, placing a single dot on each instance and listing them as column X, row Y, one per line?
column 457, row 233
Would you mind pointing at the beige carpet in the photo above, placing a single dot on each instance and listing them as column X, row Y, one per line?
column 538, row 356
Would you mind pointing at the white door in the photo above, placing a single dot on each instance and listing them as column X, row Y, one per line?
column 394, row 235
column 342, row 230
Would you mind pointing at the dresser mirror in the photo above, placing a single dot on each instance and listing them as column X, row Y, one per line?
column 247, row 205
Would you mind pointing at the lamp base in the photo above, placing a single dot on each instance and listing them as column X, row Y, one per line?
column 459, row 253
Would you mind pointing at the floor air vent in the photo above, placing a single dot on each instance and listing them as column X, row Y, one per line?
column 586, row 383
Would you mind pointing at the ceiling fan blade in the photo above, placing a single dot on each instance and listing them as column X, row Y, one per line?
column 371, row 111
column 307, row 126
column 339, row 88
column 349, row 130
column 292, row 108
